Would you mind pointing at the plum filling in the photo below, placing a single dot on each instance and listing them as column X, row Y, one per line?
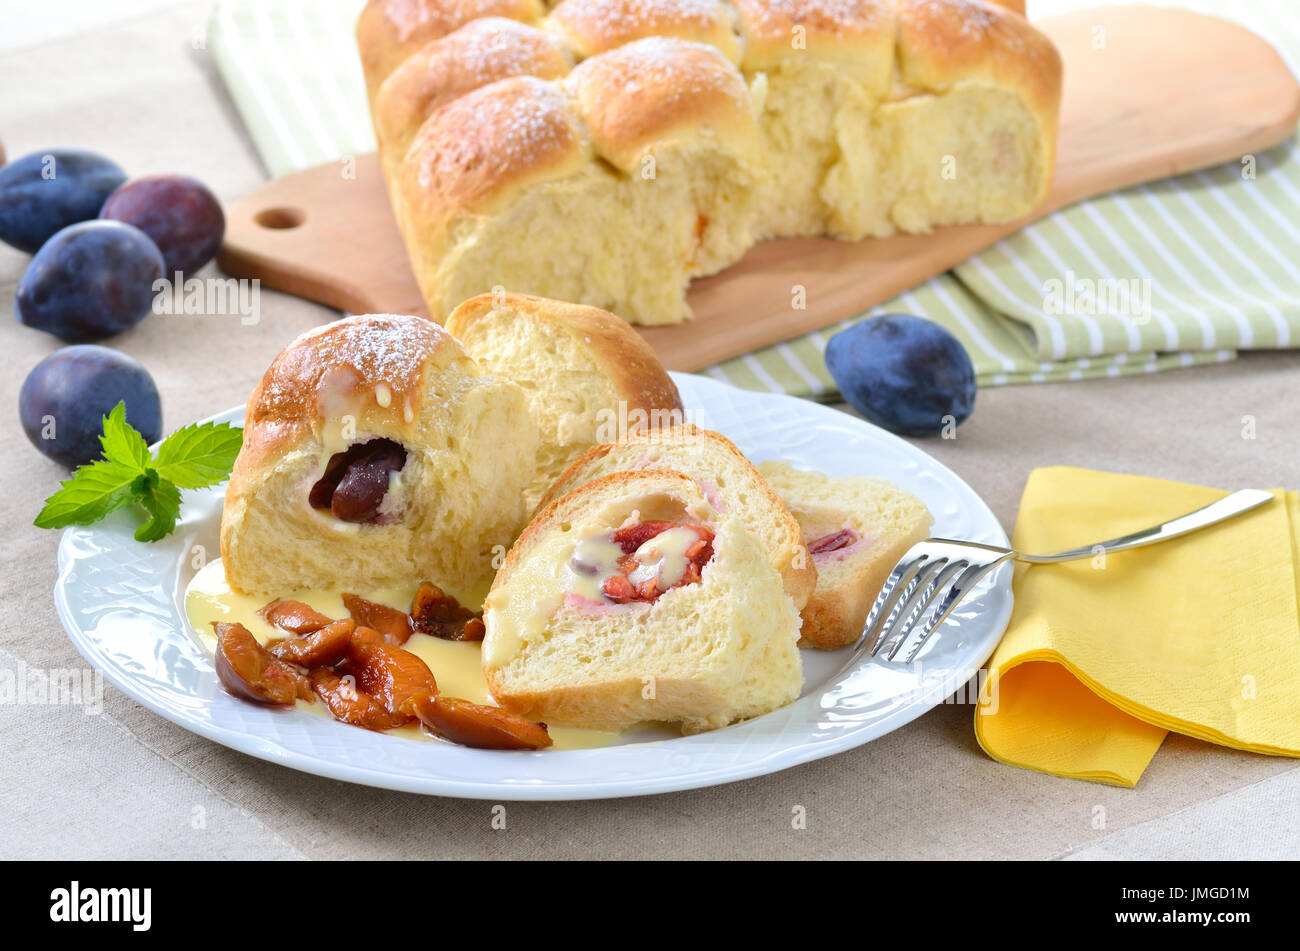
column 356, row 480
column 437, row 613
column 833, row 542
column 360, row 673
column 640, row 562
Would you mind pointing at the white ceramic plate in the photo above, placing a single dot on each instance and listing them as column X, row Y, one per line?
column 122, row 604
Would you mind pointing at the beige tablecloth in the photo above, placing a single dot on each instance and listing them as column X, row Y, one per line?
column 126, row 783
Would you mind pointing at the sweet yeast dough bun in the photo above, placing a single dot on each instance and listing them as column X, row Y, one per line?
column 880, row 522
column 585, row 372
column 447, row 67
column 390, row 31
column 965, row 131
column 849, row 118
column 613, row 187
column 339, row 390
column 823, row 66
column 729, row 481
column 704, row 654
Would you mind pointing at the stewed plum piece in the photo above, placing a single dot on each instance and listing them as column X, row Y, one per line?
column 350, row 704
column 392, row 676
column 438, row 614
column 479, row 726
column 251, row 672
column 323, row 647
column 294, row 617
column 394, row 625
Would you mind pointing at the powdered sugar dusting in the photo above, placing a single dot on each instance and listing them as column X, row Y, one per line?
column 415, row 18
column 511, row 124
column 840, row 17
column 978, row 24
column 354, row 353
column 607, row 23
column 670, row 70
column 494, row 48
column 975, row 19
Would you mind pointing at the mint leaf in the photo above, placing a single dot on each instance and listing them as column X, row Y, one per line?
column 162, row 500
column 190, row 458
column 92, row 492
column 122, row 444
column 199, row 455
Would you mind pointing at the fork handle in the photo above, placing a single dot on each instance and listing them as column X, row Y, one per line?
column 1225, row 508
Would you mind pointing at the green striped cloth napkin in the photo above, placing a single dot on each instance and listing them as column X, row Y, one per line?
column 1173, row 274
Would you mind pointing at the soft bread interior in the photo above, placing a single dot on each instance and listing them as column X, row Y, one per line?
column 728, row 480
column 566, row 392
column 805, row 105
column 702, row 655
column 970, row 154
column 581, row 370
column 626, row 241
column 454, row 506
column 886, row 520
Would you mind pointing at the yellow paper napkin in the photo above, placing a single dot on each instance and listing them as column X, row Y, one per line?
column 1200, row 635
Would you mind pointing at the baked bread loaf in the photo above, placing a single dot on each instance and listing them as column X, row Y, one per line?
column 729, row 481
column 690, row 128
column 856, row 529
column 587, row 375
column 632, row 599
column 375, row 452
column 581, row 190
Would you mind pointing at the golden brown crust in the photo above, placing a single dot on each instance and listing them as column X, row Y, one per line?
column 388, row 31
column 610, row 707
column 1017, row 6
column 945, row 42
column 826, row 621
column 367, row 363
column 839, row 29
column 594, row 26
column 835, row 618
column 452, row 150
column 651, row 91
column 444, row 69
column 569, row 478
column 634, row 372
column 501, row 136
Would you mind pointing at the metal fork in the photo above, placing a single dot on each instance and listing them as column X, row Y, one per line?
column 944, row 570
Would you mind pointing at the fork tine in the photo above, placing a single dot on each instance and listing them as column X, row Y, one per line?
column 895, row 585
column 938, row 586
column 900, row 603
column 917, row 594
column 959, row 589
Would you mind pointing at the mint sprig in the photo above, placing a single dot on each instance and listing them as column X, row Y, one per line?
column 194, row 456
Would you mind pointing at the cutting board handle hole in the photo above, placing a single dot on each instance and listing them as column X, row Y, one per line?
column 280, row 219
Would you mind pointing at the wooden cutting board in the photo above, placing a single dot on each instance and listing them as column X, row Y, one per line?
column 1149, row 93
